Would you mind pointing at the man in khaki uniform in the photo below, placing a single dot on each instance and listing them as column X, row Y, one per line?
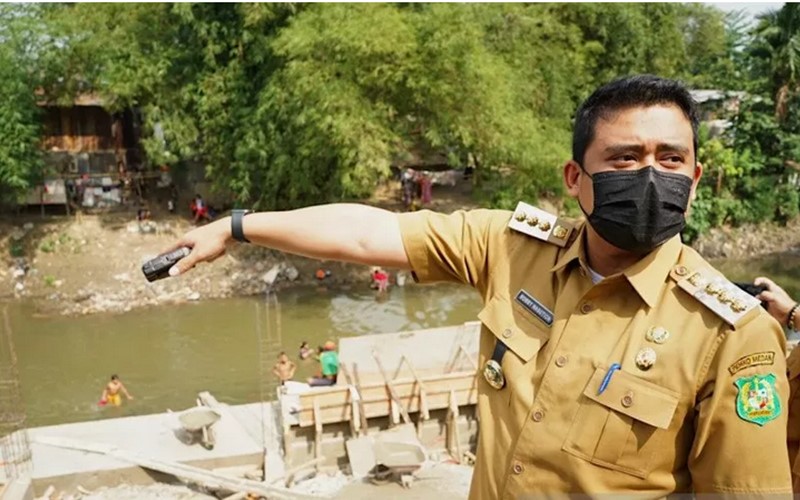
column 614, row 358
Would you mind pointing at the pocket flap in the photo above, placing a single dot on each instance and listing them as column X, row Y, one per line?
column 508, row 323
column 634, row 397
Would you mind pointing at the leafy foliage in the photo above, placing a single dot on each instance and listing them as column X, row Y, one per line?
column 290, row 104
column 19, row 122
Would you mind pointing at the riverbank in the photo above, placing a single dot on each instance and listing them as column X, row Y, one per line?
column 93, row 264
column 90, row 264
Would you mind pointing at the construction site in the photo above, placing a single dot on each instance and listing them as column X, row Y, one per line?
column 400, row 421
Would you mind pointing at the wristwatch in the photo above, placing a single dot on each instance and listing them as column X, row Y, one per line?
column 236, row 225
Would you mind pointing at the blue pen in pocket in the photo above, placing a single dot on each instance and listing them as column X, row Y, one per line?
column 614, row 367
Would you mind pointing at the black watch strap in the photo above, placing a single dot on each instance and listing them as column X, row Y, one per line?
column 236, row 225
column 499, row 351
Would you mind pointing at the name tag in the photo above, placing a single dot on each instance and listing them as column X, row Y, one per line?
column 535, row 307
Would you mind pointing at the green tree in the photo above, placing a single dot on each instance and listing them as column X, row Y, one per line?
column 20, row 161
column 776, row 49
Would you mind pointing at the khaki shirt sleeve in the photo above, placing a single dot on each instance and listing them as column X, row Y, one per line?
column 457, row 247
column 732, row 453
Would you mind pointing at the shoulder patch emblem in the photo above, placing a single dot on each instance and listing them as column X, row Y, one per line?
column 757, row 400
column 725, row 299
column 542, row 225
column 755, row 359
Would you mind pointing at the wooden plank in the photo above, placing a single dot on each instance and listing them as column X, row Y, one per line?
column 423, row 407
column 206, row 478
column 335, row 407
column 361, row 412
column 389, row 387
column 452, row 419
column 462, row 353
column 317, row 433
column 290, row 474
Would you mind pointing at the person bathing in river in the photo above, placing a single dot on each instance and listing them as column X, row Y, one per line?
column 284, row 369
column 111, row 392
column 305, row 350
column 380, row 279
column 329, row 364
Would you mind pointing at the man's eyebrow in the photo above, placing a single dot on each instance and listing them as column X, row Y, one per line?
column 673, row 147
column 616, row 149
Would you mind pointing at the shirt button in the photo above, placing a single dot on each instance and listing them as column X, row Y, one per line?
column 507, row 333
column 517, row 468
column 586, row 307
column 538, row 416
column 561, row 361
column 627, row 400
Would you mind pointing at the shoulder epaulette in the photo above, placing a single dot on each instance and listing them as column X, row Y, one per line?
column 714, row 291
column 542, row 225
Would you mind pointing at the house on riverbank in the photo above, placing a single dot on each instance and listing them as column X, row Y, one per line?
column 88, row 152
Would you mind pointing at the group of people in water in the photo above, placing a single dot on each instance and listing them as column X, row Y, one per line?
column 284, row 370
column 327, row 357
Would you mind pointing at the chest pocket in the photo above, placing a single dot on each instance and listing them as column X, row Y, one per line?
column 516, row 328
column 627, row 427
column 523, row 334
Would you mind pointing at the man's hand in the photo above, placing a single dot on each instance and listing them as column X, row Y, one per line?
column 207, row 244
column 779, row 303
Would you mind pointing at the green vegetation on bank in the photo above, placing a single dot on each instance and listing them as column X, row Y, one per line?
column 291, row 104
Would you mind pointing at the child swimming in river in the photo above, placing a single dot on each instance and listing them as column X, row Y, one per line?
column 112, row 390
column 305, row 350
column 284, row 369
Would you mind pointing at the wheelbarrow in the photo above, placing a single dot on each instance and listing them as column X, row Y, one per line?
column 396, row 460
column 197, row 423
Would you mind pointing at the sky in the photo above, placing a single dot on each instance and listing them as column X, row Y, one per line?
column 751, row 8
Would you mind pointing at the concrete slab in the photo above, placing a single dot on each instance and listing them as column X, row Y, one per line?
column 269, row 436
column 159, row 436
column 433, row 351
column 17, row 489
column 361, row 455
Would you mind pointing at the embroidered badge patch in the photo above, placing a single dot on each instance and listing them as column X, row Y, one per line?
column 755, row 359
column 535, row 307
column 757, row 400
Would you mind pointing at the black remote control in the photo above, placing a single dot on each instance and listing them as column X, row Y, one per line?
column 158, row 268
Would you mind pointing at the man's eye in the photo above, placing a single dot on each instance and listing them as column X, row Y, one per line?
column 626, row 158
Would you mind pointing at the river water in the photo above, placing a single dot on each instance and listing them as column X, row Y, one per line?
column 167, row 355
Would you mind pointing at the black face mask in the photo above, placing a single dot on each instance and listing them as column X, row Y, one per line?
column 638, row 210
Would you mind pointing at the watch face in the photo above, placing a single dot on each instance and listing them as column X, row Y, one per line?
column 493, row 373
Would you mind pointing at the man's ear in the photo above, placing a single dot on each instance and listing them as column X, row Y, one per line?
column 572, row 175
column 698, row 173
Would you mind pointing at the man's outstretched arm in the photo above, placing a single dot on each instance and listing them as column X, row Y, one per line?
column 344, row 232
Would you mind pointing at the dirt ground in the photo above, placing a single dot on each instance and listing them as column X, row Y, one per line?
column 84, row 264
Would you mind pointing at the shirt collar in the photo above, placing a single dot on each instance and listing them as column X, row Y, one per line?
column 646, row 276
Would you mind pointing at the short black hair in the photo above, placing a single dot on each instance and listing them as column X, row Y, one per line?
column 114, row 377
column 625, row 93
